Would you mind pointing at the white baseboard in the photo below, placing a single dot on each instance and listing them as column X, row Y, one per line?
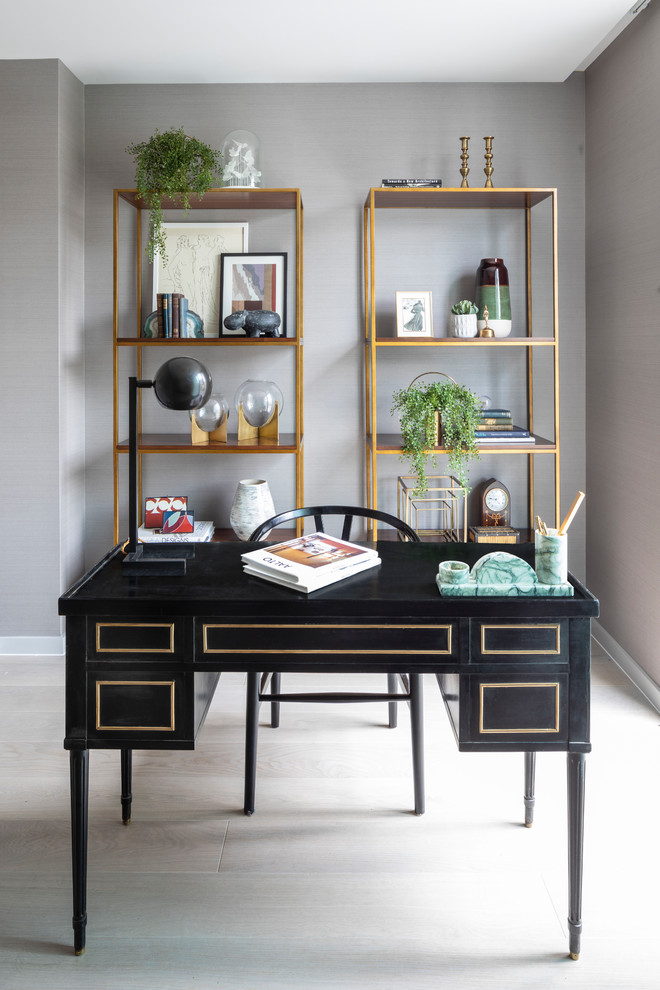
column 630, row 667
column 36, row 646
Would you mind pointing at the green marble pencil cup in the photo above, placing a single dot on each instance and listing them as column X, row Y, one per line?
column 551, row 557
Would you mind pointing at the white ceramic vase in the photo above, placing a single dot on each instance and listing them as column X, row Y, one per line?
column 252, row 505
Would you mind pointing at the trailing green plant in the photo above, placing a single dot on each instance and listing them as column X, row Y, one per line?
column 464, row 308
column 174, row 166
column 460, row 411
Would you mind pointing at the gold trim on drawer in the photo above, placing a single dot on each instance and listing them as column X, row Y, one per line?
column 555, row 651
column 133, row 625
column 133, row 728
column 330, row 627
column 519, row 684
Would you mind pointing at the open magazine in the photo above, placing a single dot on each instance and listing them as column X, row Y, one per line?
column 309, row 562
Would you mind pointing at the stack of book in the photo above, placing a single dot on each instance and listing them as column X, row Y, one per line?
column 172, row 310
column 496, row 427
column 202, row 533
column 308, row 563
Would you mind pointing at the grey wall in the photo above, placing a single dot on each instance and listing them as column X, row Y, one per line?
column 623, row 371
column 41, row 299
column 333, row 142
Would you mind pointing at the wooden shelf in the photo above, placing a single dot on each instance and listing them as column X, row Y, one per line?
column 227, row 198
column 457, row 199
column 207, row 341
column 390, row 443
column 179, row 443
column 465, row 342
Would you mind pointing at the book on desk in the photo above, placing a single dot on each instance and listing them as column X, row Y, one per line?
column 310, row 562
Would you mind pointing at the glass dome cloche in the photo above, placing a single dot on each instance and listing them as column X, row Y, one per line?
column 258, row 401
column 241, row 157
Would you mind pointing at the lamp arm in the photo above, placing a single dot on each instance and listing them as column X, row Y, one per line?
column 133, row 385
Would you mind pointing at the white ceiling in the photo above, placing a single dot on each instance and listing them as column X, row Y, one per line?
column 299, row 41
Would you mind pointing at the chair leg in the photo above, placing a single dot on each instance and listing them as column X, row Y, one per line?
column 275, row 681
column 392, row 688
column 417, row 731
column 251, row 729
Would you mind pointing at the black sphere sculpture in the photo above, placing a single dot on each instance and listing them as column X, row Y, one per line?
column 182, row 383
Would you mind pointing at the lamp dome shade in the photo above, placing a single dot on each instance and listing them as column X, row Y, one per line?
column 182, row 383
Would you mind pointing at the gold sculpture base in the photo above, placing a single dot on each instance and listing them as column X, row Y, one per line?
column 199, row 436
column 270, row 430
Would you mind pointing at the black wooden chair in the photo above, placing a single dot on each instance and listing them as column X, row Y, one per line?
column 259, row 683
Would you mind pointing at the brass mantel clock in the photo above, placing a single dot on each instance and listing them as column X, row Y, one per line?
column 495, row 504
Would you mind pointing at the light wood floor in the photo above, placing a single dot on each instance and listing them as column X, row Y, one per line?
column 334, row 882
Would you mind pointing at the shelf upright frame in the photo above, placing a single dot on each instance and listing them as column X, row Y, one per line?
column 285, row 199
column 524, row 199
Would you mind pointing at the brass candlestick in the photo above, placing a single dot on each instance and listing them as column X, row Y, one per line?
column 464, row 170
column 489, row 162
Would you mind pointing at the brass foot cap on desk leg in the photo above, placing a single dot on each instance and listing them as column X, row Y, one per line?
column 528, row 824
column 574, row 955
column 126, row 821
column 79, row 952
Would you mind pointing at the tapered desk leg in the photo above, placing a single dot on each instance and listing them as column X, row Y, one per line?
column 530, row 771
column 79, row 771
column 251, row 727
column 392, row 707
column 275, row 685
column 575, row 768
column 126, row 783
column 417, row 729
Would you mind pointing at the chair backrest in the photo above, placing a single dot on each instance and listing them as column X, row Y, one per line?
column 349, row 512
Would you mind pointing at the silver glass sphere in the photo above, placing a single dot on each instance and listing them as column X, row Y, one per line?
column 258, row 400
column 212, row 414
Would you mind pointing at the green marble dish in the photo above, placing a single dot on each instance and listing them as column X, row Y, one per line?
column 502, row 574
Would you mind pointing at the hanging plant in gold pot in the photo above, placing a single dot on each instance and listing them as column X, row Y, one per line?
column 427, row 409
column 172, row 165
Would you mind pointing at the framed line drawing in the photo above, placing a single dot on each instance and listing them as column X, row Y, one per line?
column 193, row 265
column 251, row 281
column 413, row 314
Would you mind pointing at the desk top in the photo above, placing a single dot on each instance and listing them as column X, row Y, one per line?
column 403, row 584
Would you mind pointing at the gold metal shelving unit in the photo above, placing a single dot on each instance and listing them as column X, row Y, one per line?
column 130, row 337
column 522, row 200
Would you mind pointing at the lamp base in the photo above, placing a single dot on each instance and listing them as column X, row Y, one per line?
column 163, row 560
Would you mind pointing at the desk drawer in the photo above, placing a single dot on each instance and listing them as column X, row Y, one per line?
column 328, row 639
column 503, row 641
column 142, row 708
column 112, row 638
column 515, row 711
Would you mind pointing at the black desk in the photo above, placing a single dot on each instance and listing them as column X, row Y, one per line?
column 144, row 656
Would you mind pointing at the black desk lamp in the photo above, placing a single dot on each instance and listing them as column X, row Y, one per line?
column 180, row 383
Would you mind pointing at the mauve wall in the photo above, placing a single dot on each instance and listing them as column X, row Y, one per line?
column 42, row 366
column 623, row 338
column 334, row 142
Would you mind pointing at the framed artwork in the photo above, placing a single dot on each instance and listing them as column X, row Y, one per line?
column 413, row 314
column 194, row 250
column 251, row 281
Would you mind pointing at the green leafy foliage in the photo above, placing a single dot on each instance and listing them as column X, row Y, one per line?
column 465, row 308
column 174, row 166
column 460, row 411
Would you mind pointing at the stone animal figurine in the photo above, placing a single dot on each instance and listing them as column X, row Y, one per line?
column 255, row 322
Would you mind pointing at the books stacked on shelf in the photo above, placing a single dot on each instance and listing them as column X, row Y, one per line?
column 496, row 427
column 493, row 534
column 202, row 532
column 172, row 308
column 411, row 183
column 308, row 563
